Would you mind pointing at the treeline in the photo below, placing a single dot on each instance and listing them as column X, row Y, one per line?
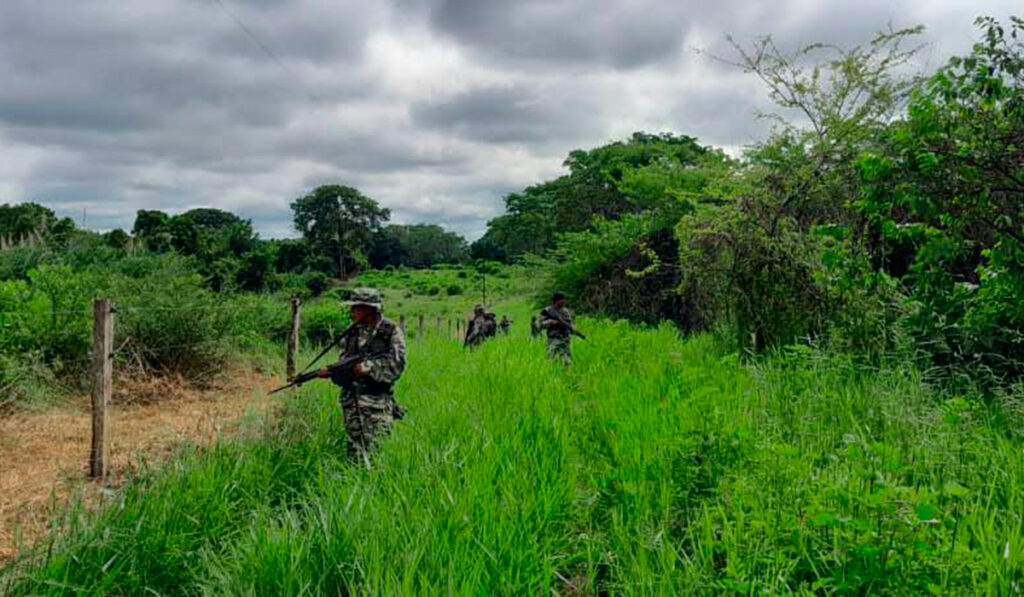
column 342, row 231
column 887, row 214
column 193, row 290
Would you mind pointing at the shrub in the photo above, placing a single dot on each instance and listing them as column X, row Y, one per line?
column 323, row 320
column 454, row 290
column 317, row 282
column 173, row 325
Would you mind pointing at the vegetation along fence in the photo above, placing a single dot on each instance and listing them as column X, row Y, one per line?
column 103, row 353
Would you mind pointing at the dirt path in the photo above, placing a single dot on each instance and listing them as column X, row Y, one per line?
column 44, row 456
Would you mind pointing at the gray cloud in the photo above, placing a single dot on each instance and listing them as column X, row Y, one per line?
column 436, row 108
column 511, row 114
column 605, row 32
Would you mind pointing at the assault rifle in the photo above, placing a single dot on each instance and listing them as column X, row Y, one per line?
column 345, row 368
column 342, row 373
column 557, row 317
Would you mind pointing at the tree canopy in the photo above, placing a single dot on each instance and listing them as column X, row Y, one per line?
column 339, row 222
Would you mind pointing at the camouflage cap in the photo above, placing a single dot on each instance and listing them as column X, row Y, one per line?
column 479, row 307
column 365, row 296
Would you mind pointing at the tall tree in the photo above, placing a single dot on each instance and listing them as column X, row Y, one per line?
column 25, row 221
column 597, row 187
column 340, row 222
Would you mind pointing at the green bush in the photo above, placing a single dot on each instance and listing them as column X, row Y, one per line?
column 173, row 325
column 317, row 283
column 323, row 320
column 454, row 290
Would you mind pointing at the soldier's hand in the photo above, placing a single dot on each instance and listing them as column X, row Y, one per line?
column 362, row 368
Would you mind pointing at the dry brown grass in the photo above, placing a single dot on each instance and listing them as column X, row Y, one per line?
column 44, row 456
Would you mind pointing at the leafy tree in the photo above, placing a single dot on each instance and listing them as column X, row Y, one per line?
column 946, row 188
column 24, row 221
column 152, row 227
column 291, row 256
column 593, row 189
column 255, row 266
column 339, row 222
column 117, row 239
column 417, row 245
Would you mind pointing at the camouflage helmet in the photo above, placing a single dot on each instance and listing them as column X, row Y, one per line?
column 369, row 297
column 479, row 308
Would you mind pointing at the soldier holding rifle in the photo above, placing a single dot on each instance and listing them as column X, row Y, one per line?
column 372, row 359
column 557, row 321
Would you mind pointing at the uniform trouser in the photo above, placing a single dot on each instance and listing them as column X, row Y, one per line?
column 367, row 417
column 559, row 349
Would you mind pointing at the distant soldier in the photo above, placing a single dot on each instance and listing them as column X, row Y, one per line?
column 505, row 325
column 557, row 321
column 368, row 403
column 479, row 327
column 534, row 326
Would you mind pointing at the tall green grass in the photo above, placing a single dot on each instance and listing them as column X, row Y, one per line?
column 650, row 466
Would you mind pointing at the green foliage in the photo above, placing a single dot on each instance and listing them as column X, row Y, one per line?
column 417, row 245
column 316, row 283
column 945, row 192
column 454, row 290
column 338, row 222
column 654, row 466
column 323, row 320
column 25, row 222
column 598, row 186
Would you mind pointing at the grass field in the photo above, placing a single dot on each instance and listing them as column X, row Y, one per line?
column 650, row 466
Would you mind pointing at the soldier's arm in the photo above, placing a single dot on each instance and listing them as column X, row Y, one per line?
column 547, row 320
column 388, row 368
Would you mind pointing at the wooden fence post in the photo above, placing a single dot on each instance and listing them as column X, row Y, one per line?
column 401, row 322
column 293, row 338
column 449, row 327
column 438, row 328
column 102, row 383
column 419, row 326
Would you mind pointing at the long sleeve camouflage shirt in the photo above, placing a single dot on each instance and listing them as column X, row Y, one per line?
column 385, row 345
column 549, row 321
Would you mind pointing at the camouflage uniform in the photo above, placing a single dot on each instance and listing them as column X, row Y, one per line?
column 369, row 405
column 559, row 335
column 480, row 327
column 505, row 325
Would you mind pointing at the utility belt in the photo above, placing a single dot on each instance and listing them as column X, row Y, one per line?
column 370, row 387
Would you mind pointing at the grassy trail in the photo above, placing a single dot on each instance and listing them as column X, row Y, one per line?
column 651, row 466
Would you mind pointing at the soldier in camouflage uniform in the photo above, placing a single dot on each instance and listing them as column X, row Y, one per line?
column 557, row 321
column 368, row 404
column 480, row 326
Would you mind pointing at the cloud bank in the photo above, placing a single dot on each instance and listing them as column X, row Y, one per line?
column 435, row 108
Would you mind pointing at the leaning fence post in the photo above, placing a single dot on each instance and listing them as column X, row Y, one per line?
column 449, row 327
column 401, row 322
column 293, row 338
column 102, row 383
column 419, row 325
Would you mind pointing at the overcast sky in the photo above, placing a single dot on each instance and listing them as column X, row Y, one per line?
column 435, row 108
